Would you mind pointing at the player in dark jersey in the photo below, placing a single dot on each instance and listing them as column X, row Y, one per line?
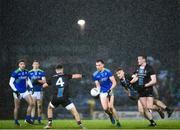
column 60, row 82
column 18, row 83
column 131, row 89
column 146, row 81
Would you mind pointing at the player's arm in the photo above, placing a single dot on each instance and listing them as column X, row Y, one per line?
column 152, row 82
column 11, row 83
column 97, row 85
column 134, row 78
column 29, row 83
column 76, row 76
column 42, row 81
column 113, row 82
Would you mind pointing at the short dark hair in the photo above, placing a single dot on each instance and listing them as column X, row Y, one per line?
column 21, row 60
column 59, row 66
column 100, row 60
column 119, row 69
column 35, row 61
column 144, row 56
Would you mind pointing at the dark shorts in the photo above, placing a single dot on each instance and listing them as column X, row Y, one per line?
column 56, row 101
column 133, row 94
column 146, row 92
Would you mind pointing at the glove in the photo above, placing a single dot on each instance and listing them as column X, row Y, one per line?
column 32, row 91
column 109, row 92
column 17, row 93
column 35, row 82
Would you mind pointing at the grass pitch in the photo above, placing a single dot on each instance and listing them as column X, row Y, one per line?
column 95, row 124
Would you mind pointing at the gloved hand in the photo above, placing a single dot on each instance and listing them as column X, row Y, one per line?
column 17, row 93
column 109, row 92
column 35, row 82
column 32, row 91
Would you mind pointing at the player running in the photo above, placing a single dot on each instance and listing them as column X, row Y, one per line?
column 18, row 82
column 61, row 97
column 37, row 77
column 146, row 80
column 105, row 81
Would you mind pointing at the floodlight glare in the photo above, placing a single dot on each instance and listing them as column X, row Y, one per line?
column 81, row 22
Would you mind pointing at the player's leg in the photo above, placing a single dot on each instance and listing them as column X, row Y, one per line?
column 52, row 105
column 39, row 106
column 34, row 107
column 50, row 115
column 141, row 109
column 163, row 106
column 113, row 110
column 16, row 108
column 104, row 102
column 150, row 108
column 159, row 110
column 29, row 100
column 147, row 112
column 71, row 107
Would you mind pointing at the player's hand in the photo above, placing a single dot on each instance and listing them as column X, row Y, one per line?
column 17, row 93
column 45, row 85
column 36, row 82
column 109, row 92
column 32, row 91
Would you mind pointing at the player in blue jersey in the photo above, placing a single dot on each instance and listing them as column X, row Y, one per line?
column 18, row 82
column 37, row 77
column 60, row 83
column 105, row 81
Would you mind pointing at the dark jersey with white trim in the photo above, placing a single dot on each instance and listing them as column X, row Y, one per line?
column 60, row 84
column 144, row 74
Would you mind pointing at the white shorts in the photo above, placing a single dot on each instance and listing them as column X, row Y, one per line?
column 22, row 95
column 37, row 95
column 104, row 95
column 68, row 107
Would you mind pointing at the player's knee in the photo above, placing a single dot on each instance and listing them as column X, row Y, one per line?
column 105, row 108
column 17, row 107
column 147, row 110
column 111, row 108
column 39, row 106
column 49, row 107
column 31, row 104
column 141, row 111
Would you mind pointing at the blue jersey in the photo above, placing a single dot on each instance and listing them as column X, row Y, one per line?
column 21, row 77
column 103, row 77
column 36, row 75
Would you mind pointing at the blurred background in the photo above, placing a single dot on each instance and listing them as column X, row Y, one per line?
column 114, row 30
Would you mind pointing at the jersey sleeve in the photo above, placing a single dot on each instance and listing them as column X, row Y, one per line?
column 69, row 76
column 151, row 70
column 110, row 73
column 14, row 74
column 43, row 74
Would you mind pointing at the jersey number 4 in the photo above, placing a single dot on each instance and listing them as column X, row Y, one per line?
column 60, row 82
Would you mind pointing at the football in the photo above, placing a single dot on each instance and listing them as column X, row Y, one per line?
column 94, row 92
